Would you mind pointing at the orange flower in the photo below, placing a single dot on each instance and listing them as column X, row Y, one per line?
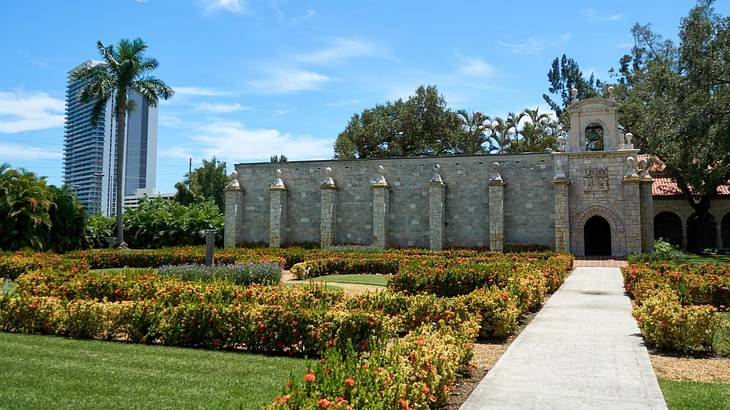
column 283, row 399
column 421, row 341
column 403, row 403
column 309, row 377
column 323, row 403
column 426, row 390
column 349, row 382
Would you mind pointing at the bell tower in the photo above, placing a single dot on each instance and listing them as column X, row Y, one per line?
column 594, row 126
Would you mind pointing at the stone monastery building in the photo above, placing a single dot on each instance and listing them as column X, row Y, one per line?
column 595, row 196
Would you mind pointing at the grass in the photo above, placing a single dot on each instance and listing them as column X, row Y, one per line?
column 692, row 258
column 375, row 280
column 686, row 395
column 326, row 286
column 131, row 272
column 47, row 372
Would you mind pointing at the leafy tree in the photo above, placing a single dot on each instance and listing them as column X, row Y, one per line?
column 68, row 220
column 680, row 99
column 476, row 132
column 538, row 132
column 205, row 183
column 564, row 75
column 125, row 69
column 422, row 125
column 24, row 206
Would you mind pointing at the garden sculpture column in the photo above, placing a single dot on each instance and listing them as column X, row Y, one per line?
column 328, row 210
column 381, row 197
column 647, row 208
column 436, row 196
column 496, row 210
column 233, row 217
column 561, row 210
column 277, row 212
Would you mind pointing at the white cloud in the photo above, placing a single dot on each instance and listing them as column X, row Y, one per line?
column 281, row 16
column 25, row 152
column 340, row 51
column 593, row 15
column 232, row 6
column 175, row 153
column 221, row 108
column 27, row 111
column 282, row 81
column 526, row 47
column 200, row 91
column 475, row 67
column 232, row 140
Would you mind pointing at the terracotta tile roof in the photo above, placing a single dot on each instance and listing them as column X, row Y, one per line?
column 664, row 186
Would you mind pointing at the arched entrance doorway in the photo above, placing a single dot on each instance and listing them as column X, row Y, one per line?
column 725, row 231
column 668, row 227
column 597, row 235
column 701, row 235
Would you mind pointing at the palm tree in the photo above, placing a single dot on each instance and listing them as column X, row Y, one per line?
column 475, row 128
column 125, row 69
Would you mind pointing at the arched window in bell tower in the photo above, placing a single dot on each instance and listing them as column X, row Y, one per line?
column 594, row 137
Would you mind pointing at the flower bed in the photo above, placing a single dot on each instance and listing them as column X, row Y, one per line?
column 243, row 274
column 677, row 304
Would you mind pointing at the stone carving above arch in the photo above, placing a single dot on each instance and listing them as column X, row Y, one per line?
column 618, row 232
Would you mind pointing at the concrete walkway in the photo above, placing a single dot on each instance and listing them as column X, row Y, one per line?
column 583, row 350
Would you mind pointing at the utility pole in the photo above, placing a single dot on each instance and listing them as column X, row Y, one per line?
column 190, row 166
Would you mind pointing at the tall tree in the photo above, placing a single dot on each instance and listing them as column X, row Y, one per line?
column 564, row 75
column 476, row 132
column 422, row 125
column 125, row 69
column 207, row 182
column 681, row 103
column 24, row 206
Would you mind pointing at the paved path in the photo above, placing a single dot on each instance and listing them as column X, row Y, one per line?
column 583, row 350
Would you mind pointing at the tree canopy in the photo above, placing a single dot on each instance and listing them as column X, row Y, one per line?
column 204, row 183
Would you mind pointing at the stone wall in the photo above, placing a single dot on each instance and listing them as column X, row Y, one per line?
column 527, row 204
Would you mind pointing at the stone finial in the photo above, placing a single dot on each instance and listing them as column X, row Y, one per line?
column 644, row 169
column 496, row 177
column 574, row 94
column 233, row 184
column 610, row 93
column 436, row 178
column 278, row 182
column 561, row 143
column 559, row 170
column 328, row 183
column 629, row 140
column 381, row 182
column 631, row 168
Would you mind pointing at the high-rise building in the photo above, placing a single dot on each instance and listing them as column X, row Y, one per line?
column 90, row 150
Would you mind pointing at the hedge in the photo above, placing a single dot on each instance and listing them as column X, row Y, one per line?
column 241, row 274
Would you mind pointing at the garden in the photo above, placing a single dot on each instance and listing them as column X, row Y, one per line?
column 682, row 306
column 403, row 347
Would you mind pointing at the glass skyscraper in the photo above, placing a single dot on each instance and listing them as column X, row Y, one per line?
column 89, row 160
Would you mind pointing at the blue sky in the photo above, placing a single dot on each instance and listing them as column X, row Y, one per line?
column 256, row 77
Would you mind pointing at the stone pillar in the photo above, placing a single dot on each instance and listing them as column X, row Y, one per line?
column 277, row 212
column 436, row 197
column 381, row 198
column 718, row 226
column 328, row 211
column 647, row 208
column 496, row 210
column 684, row 233
column 561, row 205
column 632, row 208
column 233, row 216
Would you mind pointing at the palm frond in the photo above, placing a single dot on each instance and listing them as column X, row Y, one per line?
column 152, row 89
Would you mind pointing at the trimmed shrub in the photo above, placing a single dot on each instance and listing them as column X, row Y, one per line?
column 666, row 324
column 245, row 274
column 345, row 266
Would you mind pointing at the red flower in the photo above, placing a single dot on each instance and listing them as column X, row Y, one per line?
column 283, row 399
column 426, row 390
column 349, row 382
column 309, row 377
column 323, row 403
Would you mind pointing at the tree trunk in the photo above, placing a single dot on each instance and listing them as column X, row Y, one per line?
column 700, row 223
column 121, row 108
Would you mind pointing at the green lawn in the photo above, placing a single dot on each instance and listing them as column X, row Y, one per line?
column 375, row 280
column 126, row 271
column 692, row 258
column 687, row 395
column 46, row 372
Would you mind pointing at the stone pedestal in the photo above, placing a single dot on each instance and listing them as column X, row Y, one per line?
column 496, row 215
column 381, row 198
column 436, row 197
column 328, row 215
column 277, row 216
column 647, row 213
column 233, row 216
column 561, row 212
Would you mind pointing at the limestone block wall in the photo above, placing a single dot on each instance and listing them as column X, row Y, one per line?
column 527, row 204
